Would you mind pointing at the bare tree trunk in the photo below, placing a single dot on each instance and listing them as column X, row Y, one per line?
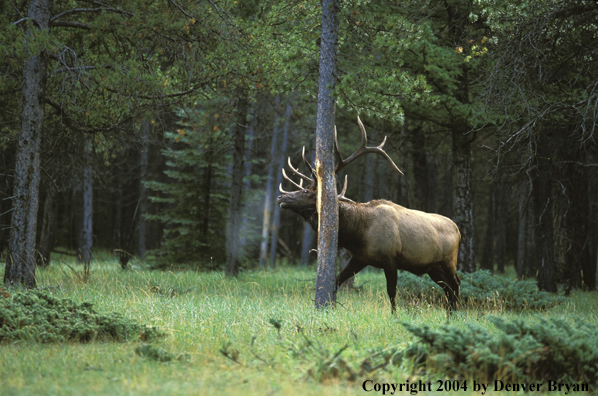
column 46, row 239
column 247, row 167
column 522, row 230
column 501, row 226
column 405, row 195
column 327, row 203
column 543, row 206
column 448, row 187
column 142, row 203
column 276, row 213
column 368, row 178
column 490, row 242
column 87, row 212
column 420, row 168
column 307, row 243
column 530, row 238
column 6, row 163
column 234, row 222
column 269, row 198
column 20, row 261
column 463, row 198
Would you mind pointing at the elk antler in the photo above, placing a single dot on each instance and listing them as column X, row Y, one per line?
column 363, row 149
column 301, row 175
column 341, row 196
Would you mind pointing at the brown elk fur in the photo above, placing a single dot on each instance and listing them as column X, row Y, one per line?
column 381, row 233
column 385, row 235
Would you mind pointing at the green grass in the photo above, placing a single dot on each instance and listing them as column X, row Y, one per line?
column 207, row 316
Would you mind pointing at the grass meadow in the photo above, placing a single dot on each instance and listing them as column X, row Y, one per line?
column 258, row 334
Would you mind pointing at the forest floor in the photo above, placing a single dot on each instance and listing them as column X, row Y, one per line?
column 255, row 335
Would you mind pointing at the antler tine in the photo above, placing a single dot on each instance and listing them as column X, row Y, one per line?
column 311, row 169
column 341, row 196
column 299, row 186
column 363, row 149
column 281, row 190
column 296, row 172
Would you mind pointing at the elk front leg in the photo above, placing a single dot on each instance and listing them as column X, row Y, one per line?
column 391, row 285
column 350, row 270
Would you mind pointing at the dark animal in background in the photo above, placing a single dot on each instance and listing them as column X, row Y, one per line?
column 381, row 233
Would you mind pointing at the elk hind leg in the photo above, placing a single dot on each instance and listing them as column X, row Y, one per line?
column 391, row 286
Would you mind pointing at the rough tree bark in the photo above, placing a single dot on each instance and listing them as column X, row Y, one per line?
column 20, row 261
column 544, row 217
column 489, row 243
column 463, row 198
column 501, row 226
column 86, row 232
column 306, row 243
column 142, row 203
column 234, row 221
column 276, row 213
column 327, row 202
column 522, row 230
column 46, row 239
column 269, row 198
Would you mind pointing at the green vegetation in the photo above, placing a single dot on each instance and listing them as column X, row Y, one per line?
column 260, row 334
column 35, row 315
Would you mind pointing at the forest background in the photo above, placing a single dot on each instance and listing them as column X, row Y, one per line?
column 122, row 125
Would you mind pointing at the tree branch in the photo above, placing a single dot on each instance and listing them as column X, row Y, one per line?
column 77, row 25
column 73, row 11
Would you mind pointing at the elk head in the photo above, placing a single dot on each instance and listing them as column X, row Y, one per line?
column 303, row 201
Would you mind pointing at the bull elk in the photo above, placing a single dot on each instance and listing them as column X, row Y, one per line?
column 381, row 233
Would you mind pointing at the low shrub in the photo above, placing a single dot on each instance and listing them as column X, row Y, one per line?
column 36, row 315
column 479, row 289
column 549, row 349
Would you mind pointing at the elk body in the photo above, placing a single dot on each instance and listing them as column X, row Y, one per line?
column 383, row 234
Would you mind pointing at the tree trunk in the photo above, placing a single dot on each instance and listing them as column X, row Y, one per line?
column 501, row 226
column 20, row 261
column 420, row 168
column 368, row 178
column 247, row 169
column 142, row 203
column 269, row 198
column 405, row 195
column 543, row 204
column 490, row 242
column 234, row 221
column 448, row 187
column 86, row 236
column 327, row 202
column 463, row 197
column 530, row 239
column 276, row 212
column 248, row 165
column 46, row 239
column 522, row 230
column 207, row 190
column 307, row 243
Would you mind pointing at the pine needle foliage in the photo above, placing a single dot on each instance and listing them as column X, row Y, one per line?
column 479, row 289
column 38, row 316
column 519, row 351
column 193, row 200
